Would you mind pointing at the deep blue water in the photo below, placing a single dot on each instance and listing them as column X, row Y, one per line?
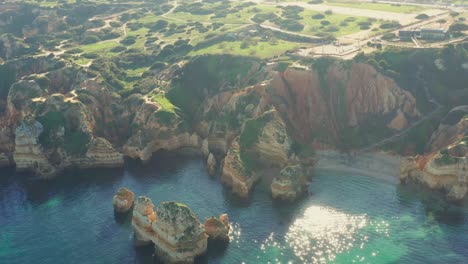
column 346, row 219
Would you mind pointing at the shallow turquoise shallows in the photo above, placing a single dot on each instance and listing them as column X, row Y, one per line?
column 346, row 218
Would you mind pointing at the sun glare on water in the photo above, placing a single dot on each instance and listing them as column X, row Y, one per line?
column 324, row 232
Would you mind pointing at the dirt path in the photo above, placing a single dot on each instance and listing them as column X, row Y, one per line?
column 268, row 26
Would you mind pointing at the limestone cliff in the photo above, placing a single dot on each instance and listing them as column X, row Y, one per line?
column 28, row 152
column 446, row 166
column 101, row 153
column 436, row 173
column 177, row 234
column 235, row 175
column 334, row 100
column 262, row 147
column 452, row 129
column 247, row 120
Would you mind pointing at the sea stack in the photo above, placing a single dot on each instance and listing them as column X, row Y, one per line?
column 218, row 228
column 177, row 234
column 123, row 200
column 211, row 163
column 290, row 184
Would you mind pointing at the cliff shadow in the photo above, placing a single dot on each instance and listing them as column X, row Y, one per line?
column 434, row 203
column 163, row 164
column 72, row 181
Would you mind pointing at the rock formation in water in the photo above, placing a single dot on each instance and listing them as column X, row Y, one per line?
column 446, row 165
column 218, row 228
column 263, row 146
column 175, row 231
column 123, row 200
column 290, row 184
column 211, row 163
column 142, row 219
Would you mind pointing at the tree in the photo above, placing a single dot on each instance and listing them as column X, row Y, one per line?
column 458, row 27
column 388, row 36
column 441, row 21
column 422, row 17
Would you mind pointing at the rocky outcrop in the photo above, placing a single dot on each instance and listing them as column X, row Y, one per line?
column 264, row 146
column 28, row 153
column 177, row 234
column 452, row 129
column 218, row 228
column 290, row 184
column 446, row 166
column 400, row 121
column 123, row 200
column 235, row 175
column 436, row 173
column 324, row 103
column 142, row 219
column 142, row 147
column 102, row 154
column 211, row 163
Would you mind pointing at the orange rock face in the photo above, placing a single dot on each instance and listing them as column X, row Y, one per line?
column 325, row 105
column 123, row 200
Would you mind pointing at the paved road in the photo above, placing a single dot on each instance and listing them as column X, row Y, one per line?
column 402, row 18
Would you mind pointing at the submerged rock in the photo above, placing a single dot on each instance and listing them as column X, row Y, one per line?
column 218, row 228
column 177, row 234
column 123, row 200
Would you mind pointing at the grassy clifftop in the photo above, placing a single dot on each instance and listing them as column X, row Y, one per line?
column 207, row 75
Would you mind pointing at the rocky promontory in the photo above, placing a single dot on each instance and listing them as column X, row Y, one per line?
column 446, row 165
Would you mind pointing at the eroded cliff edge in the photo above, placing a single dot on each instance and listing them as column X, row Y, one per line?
column 445, row 165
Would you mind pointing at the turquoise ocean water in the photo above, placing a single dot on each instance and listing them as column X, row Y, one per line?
column 346, row 218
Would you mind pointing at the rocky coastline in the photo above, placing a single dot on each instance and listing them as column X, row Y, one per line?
column 445, row 165
column 244, row 132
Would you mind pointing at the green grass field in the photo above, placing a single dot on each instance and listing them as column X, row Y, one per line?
column 313, row 26
column 100, row 48
column 261, row 49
